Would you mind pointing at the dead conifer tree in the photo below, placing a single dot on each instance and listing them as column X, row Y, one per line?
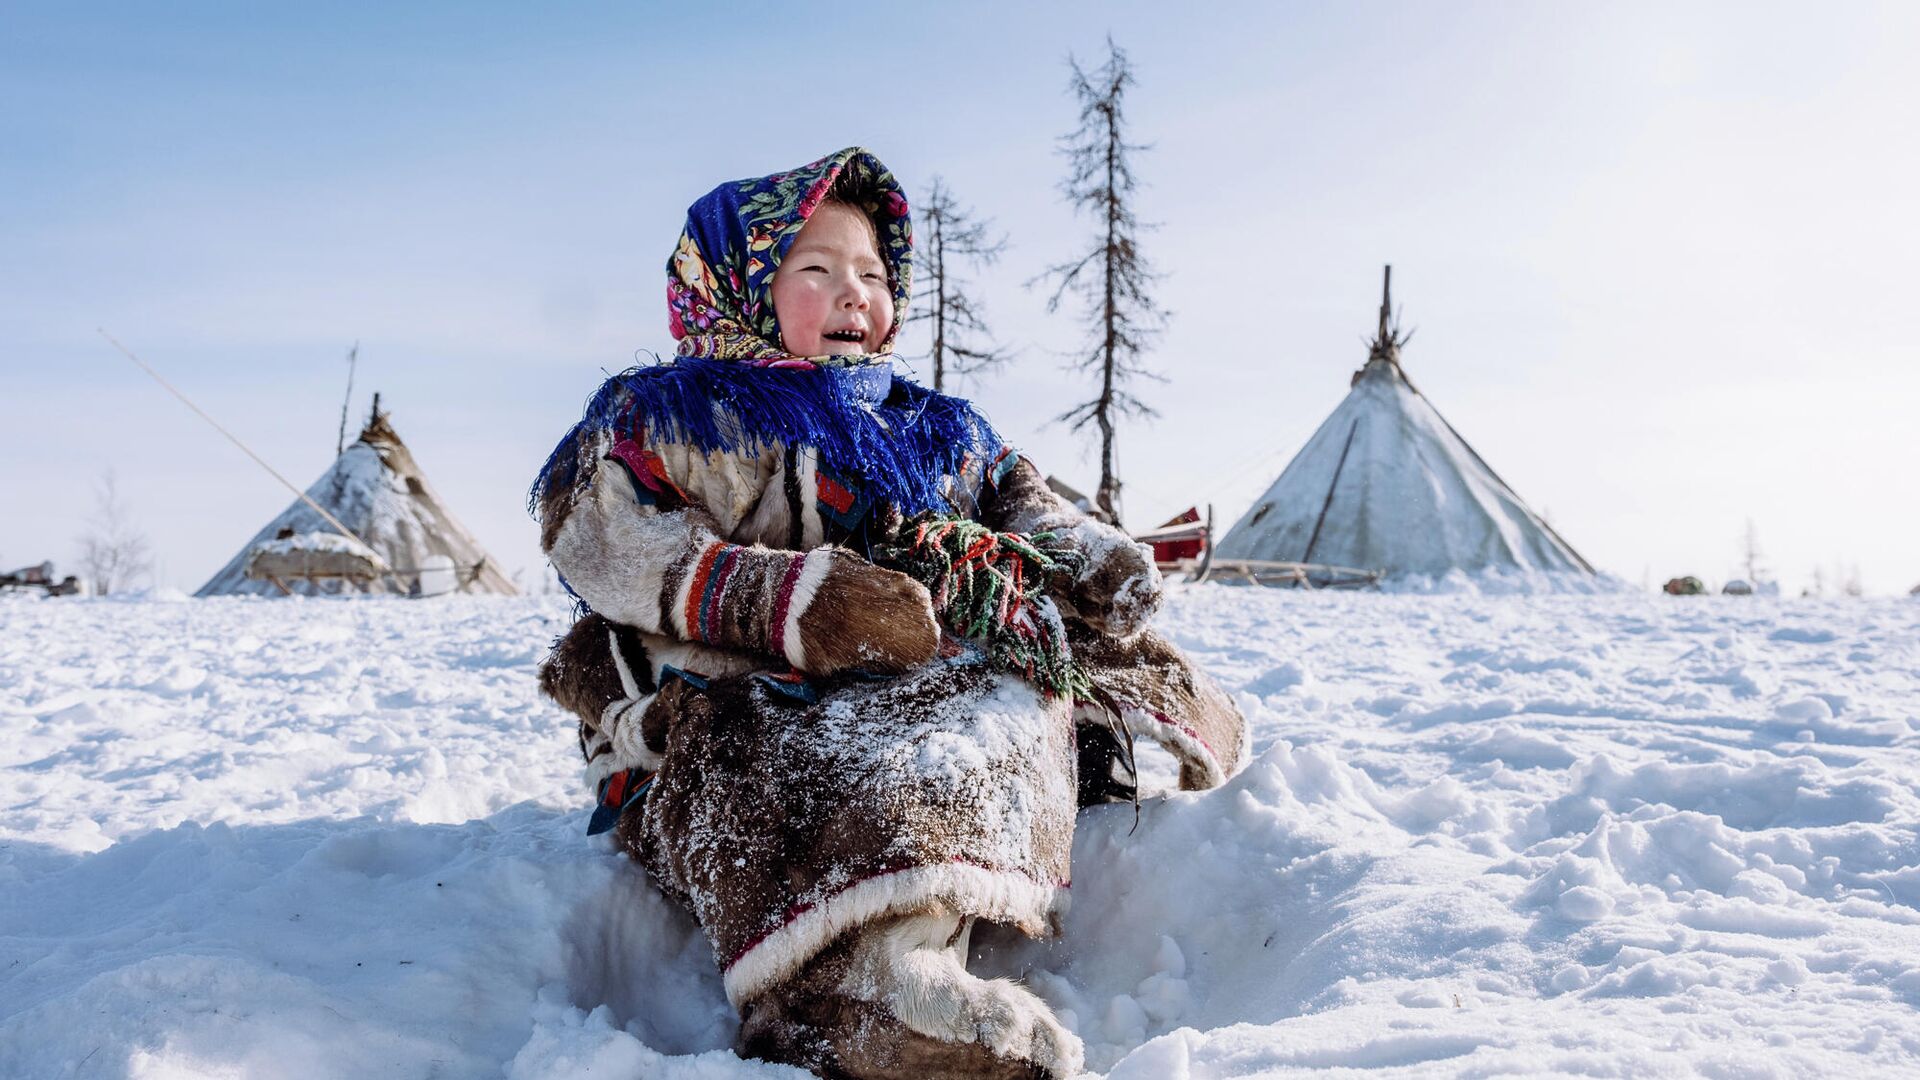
column 951, row 236
column 1112, row 277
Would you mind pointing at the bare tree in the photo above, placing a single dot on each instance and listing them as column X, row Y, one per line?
column 1750, row 546
column 954, row 236
column 113, row 554
column 1112, row 278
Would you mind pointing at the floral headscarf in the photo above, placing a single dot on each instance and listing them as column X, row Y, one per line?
column 733, row 388
column 720, row 276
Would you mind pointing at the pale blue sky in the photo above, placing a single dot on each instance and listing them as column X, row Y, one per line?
column 1660, row 258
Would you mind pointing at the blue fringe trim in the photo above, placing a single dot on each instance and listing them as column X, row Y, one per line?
column 901, row 449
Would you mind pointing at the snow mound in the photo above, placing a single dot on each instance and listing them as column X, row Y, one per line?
column 1588, row 835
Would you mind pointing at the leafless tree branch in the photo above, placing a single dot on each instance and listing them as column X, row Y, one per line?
column 1113, row 277
column 954, row 239
column 114, row 555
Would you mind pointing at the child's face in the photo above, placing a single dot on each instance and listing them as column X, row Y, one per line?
column 831, row 294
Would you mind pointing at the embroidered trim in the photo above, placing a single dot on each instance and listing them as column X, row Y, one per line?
column 843, row 501
column 690, row 614
column 791, row 684
column 716, row 588
column 1003, row 464
column 834, row 495
column 617, row 792
column 782, row 600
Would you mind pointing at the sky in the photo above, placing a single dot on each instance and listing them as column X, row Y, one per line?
column 1659, row 259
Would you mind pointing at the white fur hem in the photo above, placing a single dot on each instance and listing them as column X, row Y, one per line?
column 995, row 895
column 628, row 751
column 1182, row 743
column 818, row 563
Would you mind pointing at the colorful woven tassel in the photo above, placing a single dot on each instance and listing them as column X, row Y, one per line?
column 987, row 586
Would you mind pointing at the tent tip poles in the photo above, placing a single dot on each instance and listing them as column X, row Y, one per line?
column 235, row 440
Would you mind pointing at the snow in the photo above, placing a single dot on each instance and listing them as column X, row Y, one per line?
column 312, row 541
column 1586, row 835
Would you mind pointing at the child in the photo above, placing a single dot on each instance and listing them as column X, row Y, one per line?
column 777, row 727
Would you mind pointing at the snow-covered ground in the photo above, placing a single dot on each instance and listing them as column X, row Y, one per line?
column 1572, row 835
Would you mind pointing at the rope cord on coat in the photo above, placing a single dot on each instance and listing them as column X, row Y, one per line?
column 987, row 586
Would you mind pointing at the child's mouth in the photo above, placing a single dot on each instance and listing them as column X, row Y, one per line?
column 853, row 336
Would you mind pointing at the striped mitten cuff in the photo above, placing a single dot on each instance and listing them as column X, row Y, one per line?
column 822, row 611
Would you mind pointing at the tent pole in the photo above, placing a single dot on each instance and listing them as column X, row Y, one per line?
column 257, row 460
column 353, row 357
column 1386, row 303
column 1332, row 486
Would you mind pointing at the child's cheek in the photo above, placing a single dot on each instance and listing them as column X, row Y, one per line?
column 785, row 313
column 799, row 321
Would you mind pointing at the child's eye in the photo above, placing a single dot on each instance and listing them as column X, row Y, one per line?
column 871, row 276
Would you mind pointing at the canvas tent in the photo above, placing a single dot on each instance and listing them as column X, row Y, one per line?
column 405, row 540
column 1387, row 484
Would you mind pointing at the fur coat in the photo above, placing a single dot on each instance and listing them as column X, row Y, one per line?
column 784, row 822
column 758, row 713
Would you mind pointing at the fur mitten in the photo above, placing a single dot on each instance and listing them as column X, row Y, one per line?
column 600, row 672
column 836, row 611
column 822, row 611
column 1119, row 590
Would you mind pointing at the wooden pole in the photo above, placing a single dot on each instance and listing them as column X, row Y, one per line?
column 1386, row 303
column 257, row 459
column 340, row 444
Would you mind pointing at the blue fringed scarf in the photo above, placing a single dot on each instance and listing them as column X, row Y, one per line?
column 733, row 388
column 900, row 441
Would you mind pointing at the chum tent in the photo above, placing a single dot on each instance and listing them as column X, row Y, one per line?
column 1387, row 485
column 405, row 541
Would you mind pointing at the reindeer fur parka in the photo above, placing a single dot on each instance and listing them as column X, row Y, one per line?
column 805, row 770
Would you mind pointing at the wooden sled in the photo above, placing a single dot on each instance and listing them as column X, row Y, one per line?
column 1290, row 574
